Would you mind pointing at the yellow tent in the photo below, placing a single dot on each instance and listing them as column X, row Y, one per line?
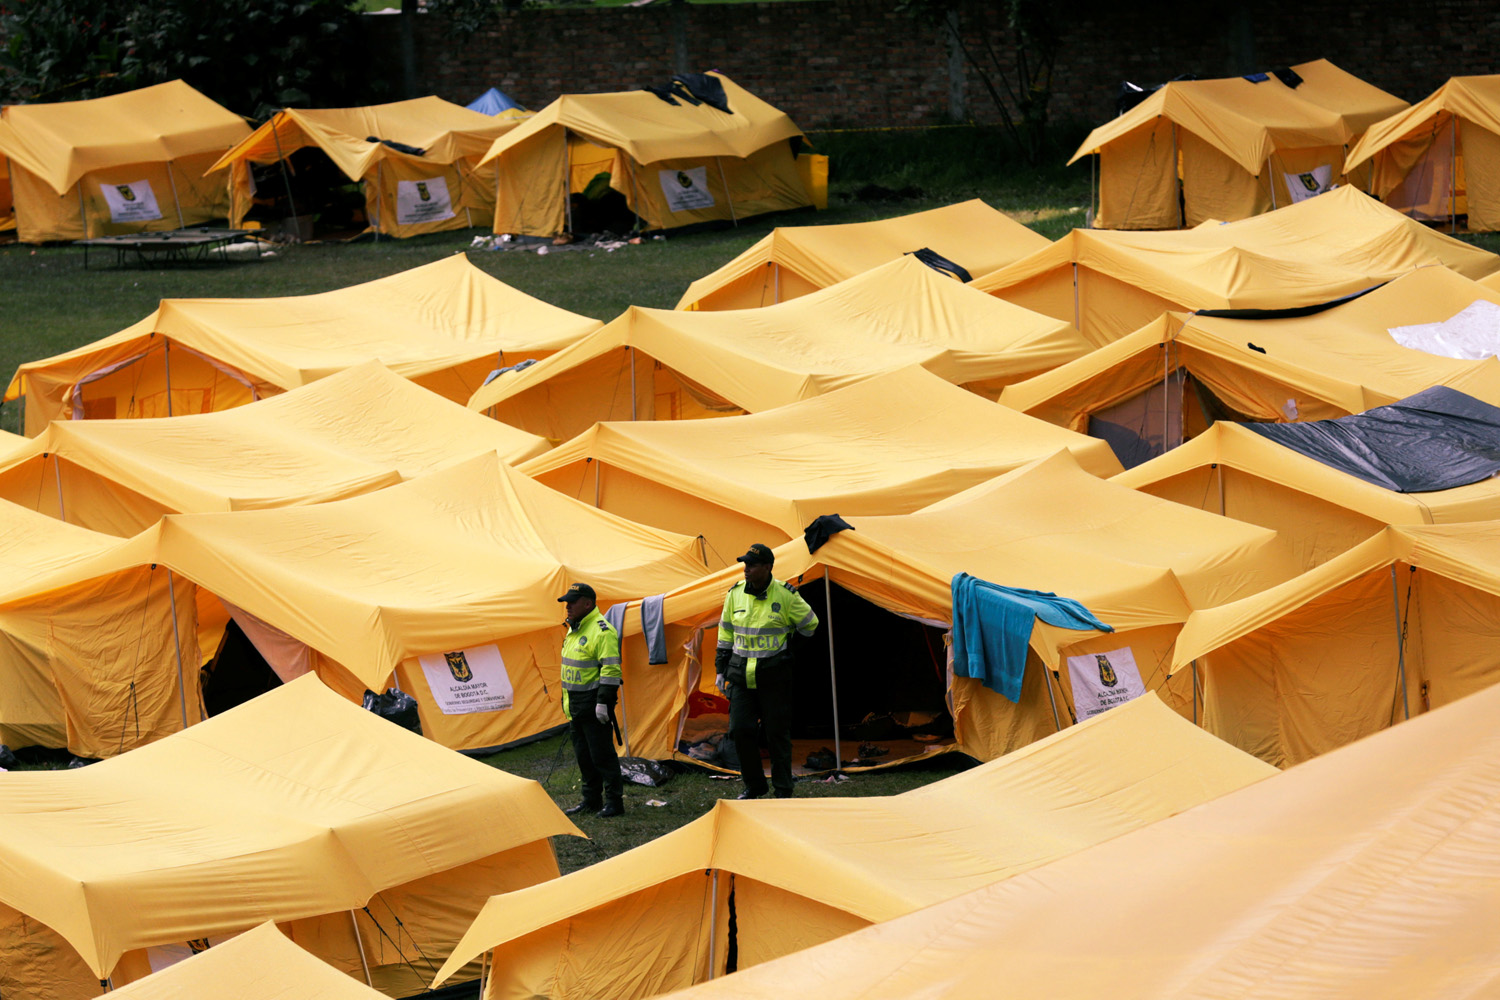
column 93, row 667
column 675, row 163
column 355, row 431
column 1438, row 159
column 794, row 260
column 443, row 325
column 1318, row 510
column 1367, row 873
column 406, row 193
column 657, row 364
column 1137, row 562
column 801, row 873
column 888, row 445
column 1168, row 381
column 370, row 846
column 260, row 964
column 1110, row 283
column 1196, row 150
column 1399, row 624
column 123, row 164
column 468, row 559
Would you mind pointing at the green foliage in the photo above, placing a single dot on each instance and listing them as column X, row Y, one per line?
column 253, row 56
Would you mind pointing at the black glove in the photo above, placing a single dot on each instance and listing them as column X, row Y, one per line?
column 607, row 695
column 721, row 660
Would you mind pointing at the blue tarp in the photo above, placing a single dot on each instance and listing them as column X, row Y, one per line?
column 992, row 629
column 492, row 102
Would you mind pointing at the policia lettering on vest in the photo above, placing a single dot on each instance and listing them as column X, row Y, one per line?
column 754, row 667
column 591, row 687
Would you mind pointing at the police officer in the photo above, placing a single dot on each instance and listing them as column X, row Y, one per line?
column 591, row 687
column 754, row 667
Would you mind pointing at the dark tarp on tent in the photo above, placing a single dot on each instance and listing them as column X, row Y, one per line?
column 1436, row 440
column 492, row 102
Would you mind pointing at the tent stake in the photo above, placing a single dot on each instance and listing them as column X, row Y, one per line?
column 713, row 927
column 1400, row 643
column 833, row 682
column 62, row 514
column 177, row 643
column 728, row 198
column 172, row 180
column 364, row 963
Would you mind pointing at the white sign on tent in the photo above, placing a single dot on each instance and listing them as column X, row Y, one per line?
column 421, row 201
column 686, row 190
column 1309, row 183
column 468, row 680
column 133, row 202
column 1102, row 681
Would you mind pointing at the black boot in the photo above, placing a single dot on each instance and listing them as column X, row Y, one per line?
column 587, row 805
column 612, row 807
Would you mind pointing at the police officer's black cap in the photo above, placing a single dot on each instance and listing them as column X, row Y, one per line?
column 576, row 591
column 758, row 554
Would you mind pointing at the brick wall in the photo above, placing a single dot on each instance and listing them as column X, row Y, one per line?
column 832, row 63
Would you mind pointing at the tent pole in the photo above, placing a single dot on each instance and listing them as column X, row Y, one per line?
column 1271, row 182
column 713, row 927
column 1166, row 394
column 364, row 963
column 775, row 283
column 596, row 484
column 1047, row 680
column 728, row 198
column 172, row 180
column 567, row 182
column 1093, row 164
column 83, row 214
column 286, row 177
column 620, row 693
column 484, row 972
column 62, row 513
column 1400, row 644
column 166, row 360
column 1195, row 691
column 631, row 352
column 833, row 683
column 177, row 644
column 1177, row 183
column 379, row 208
column 1077, row 324
column 1220, row 467
column 1453, row 174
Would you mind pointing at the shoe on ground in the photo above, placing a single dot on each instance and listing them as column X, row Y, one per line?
column 615, row 808
column 582, row 807
column 747, row 794
column 783, row 795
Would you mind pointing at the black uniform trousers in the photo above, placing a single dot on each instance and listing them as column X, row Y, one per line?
column 594, row 746
column 766, row 706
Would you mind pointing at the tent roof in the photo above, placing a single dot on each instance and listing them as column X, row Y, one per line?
column 1248, row 121
column 1473, row 99
column 62, row 142
column 446, row 132
column 446, row 561
column 970, row 233
column 416, row 322
column 297, row 803
column 1312, row 252
column 260, row 964
column 492, row 102
column 1469, row 553
column 34, row 546
column 1237, row 447
column 1344, row 355
column 1365, row 872
column 649, row 129
column 360, row 429
column 898, row 314
column 882, row 856
column 892, row 443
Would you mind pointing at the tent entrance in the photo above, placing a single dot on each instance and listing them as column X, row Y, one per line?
column 237, row 672
column 1159, row 418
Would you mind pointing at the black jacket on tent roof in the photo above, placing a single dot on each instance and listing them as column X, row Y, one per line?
column 1436, row 440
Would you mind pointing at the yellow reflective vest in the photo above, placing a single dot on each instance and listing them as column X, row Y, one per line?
column 758, row 628
column 590, row 657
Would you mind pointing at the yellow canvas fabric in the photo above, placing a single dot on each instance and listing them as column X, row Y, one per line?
column 803, row 872
column 741, row 159
column 888, row 445
column 1318, row 510
column 355, row 431
column 795, row 260
column 297, row 806
column 1299, row 886
column 1232, row 142
column 61, row 156
column 658, row 364
column 92, row 667
column 452, row 138
column 1137, row 562
column 260, row 964
column 444, row 325
column 1331, row 363
column 1409, row 154
column 1110, row 283
column 468, row 557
